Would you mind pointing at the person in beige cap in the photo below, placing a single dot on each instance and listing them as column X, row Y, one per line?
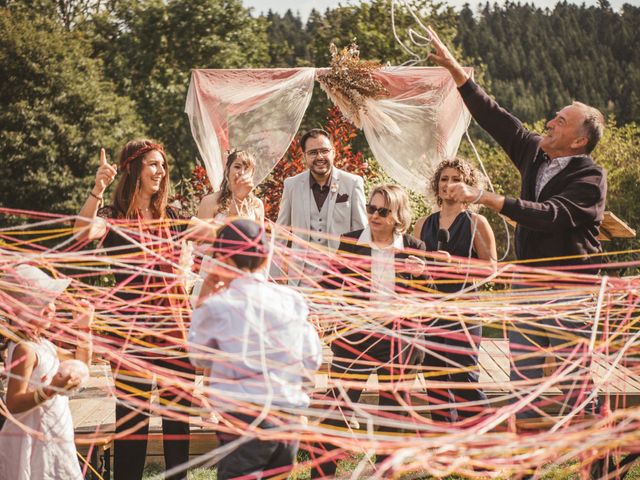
column 36, row 440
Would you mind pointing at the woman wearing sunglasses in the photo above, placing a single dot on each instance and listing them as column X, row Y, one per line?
column 469, row 237
column 376, row 265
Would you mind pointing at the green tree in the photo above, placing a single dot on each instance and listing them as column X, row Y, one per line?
column 539, row 60
column 56, row 111
column 150, row 46
column 288, row 40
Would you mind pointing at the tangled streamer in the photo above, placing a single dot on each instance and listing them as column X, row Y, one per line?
column 594, row 318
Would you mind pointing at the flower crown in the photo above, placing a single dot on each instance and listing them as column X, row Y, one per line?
column 141, row 151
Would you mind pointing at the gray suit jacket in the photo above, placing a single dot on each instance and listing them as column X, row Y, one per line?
column 343, row 217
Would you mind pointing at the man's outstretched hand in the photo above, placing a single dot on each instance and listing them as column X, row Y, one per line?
column 444, row 58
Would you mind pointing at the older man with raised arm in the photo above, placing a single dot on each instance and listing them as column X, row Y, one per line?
column 320, row 204
column 561, row 205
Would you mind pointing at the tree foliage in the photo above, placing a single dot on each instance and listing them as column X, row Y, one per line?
column 150, row 46
column 540, row 60
column 57, row 111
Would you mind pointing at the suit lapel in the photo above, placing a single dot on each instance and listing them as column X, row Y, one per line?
column 304, row 193
column 333, row 193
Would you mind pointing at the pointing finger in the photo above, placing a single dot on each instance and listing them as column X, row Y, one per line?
column 103, row 157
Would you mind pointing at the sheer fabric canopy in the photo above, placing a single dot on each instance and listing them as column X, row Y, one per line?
column 410, row 131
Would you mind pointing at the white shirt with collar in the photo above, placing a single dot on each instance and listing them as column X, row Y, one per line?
column 255, row 338
column 383, row 271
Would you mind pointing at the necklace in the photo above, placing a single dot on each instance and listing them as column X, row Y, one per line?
column 242, row 210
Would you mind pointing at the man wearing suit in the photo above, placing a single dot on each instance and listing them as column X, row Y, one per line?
column 323, row 202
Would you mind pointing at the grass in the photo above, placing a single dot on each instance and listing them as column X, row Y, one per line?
column 561, row 472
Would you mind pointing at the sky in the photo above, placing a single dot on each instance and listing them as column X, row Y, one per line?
column 305, row 6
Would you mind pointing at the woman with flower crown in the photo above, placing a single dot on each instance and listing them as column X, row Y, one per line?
column 148, row 333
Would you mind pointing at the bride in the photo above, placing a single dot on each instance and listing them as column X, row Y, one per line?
column 236, row 197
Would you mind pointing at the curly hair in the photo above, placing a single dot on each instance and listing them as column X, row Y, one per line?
column 469, row 174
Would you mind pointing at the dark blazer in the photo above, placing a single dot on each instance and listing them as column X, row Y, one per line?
column 566, row 219
column 355, row 277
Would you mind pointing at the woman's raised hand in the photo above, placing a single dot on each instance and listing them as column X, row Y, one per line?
column 243, row 185
column 105, row 174
column 83, row 317
column 413, row 265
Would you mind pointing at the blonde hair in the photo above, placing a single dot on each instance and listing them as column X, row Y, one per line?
column 247, row 161
column 397, row 201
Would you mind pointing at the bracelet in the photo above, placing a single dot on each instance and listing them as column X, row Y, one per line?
column 100, row 198
column 39, row 396
column 480, row 193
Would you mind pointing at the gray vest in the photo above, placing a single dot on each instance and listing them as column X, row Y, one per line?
column 319, row 220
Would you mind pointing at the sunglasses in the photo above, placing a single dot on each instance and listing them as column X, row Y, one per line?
column 382, row 211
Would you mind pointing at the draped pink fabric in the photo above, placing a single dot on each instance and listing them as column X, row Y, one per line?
column 420, row 123
column 258, row 110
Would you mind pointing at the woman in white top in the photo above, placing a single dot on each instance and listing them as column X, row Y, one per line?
column 235, row 197
column 376, row 264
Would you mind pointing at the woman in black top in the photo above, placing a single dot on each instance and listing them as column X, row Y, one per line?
column 376, row 264
column 149, row 300
column 469, row 236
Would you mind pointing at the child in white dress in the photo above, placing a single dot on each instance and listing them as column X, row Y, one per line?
column 36, row 440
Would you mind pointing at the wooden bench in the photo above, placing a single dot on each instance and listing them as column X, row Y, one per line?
column 93, row 409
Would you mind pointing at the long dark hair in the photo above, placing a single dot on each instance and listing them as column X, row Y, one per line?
column 128, row 187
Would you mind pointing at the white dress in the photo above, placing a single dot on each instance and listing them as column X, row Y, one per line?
column 42, row 447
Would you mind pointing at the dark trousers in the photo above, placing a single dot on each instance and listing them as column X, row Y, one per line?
column 454, row 355
column 392, row 360
column 527, row 343
column 130, row 452
column 256, row 459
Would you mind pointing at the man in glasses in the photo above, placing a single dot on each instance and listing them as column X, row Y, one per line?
column 319, row 204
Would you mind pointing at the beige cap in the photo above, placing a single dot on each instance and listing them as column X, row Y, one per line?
column 29, row 283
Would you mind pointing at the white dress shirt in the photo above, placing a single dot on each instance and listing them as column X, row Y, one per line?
column 383, row 271
column 255, row 338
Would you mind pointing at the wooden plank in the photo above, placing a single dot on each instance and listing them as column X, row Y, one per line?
column 614, row 227
column 94, row 407
column 611, row 227
column 496, row 358
column 621, row 380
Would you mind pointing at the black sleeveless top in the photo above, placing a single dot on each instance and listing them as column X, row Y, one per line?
column 459, row 243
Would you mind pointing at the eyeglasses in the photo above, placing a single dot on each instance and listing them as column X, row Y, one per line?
column 383, row 212
column 318, row 151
